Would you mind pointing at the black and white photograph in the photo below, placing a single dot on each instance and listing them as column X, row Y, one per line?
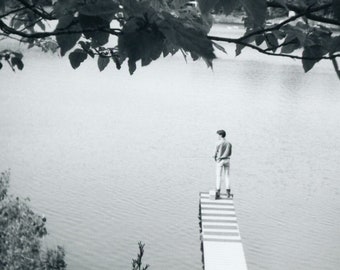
column 169, row 135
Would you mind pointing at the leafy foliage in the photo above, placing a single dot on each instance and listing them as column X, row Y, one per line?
column 103, row 62
column 21, row 232
column 256, row 11
column 143, row 30
column 14, row 59
column 4, row 184
column 77, row 57
column 137, row 263
column 67, row 41
column 336, row 8
column 54, row 259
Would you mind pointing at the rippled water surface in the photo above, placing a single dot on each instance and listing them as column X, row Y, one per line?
column 112, row 159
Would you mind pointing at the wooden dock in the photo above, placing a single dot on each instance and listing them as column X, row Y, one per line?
column 222, row 246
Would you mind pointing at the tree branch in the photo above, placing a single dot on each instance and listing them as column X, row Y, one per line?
column 279, row 46
column 278, row 26
column 42, row 13
column 264, row 51
column 9, row 30
column 310, row 16
column 31, row 24
column 336, row 67
column 5, row 36
column 322, row 19
column 303, row 12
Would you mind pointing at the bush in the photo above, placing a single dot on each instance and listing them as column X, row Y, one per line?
column 21, row 233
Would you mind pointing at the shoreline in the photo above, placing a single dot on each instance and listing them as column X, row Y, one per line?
column 238, row 21
column 230, row 19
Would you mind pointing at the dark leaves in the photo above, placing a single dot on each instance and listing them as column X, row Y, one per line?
column 312, row 55
column 168, row 47
column 64, row 7
column 118, row 62
column 102, row 8
column 67, row 41
column 41, row 25
column 256, row 11
column 279, row 34
column 134, row 8
column 259, row 40
column 77, row 57
column 93, row 27
column 103, row 62
column 293, row 32
column 239, row 48
column 291, row 45
column 146, row 38
column 316, row 45
column 140, row 41
column 336, row 8
column 2, row 6
column 282, row 3
column 219, row 47
column 271, row 41
column 14, row 59
column 188, row 38
column 335, row 44
column 86, row 46
column 93, row 21
column 16, row 62
column 226, row 5
column 132, row 66
column 207, row 5
column 247, row 39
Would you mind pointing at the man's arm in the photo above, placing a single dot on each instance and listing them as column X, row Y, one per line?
column 216, row 151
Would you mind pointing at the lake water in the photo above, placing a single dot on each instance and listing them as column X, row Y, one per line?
column 113, row 159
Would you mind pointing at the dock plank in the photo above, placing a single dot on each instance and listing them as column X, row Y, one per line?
column 222, row 244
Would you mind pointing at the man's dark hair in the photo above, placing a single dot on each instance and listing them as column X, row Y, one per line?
column 221, row 132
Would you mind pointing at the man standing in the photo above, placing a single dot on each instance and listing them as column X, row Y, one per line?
column 222, row 158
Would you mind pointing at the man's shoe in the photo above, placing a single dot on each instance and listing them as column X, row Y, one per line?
column 229, row 195
column 218, row 195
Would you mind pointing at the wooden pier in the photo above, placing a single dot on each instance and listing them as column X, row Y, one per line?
column 222, row 246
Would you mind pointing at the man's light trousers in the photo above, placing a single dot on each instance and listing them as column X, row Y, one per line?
column 222, row 171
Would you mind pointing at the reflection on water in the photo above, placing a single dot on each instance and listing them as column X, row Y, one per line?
column 112, row 159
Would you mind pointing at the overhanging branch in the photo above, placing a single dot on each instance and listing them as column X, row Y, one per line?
column 41, row 13
column 336, row 67
column 278, row 26
column 264, row 51
column 11, row 31
column 302, row 12
column 310, row 16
